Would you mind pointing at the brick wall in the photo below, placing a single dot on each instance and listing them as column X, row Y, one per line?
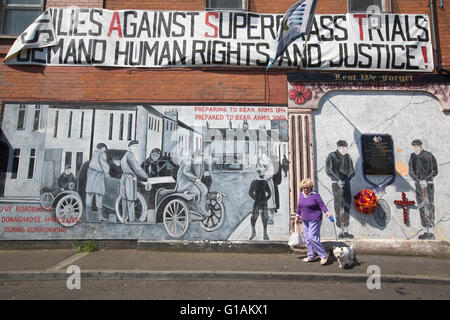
column 79, row 3
column 140, row 85
column 191, row 5
column 443, row 21
column 207, row 85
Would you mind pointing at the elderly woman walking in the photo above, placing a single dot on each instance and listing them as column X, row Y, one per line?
column 310, row 208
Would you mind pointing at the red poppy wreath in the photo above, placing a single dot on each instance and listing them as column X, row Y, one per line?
column 366, row 201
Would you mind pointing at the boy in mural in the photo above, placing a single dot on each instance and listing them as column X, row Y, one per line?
column 128, row 181
column 66, row 180
column 422, row 169
column 339, row 168
column 154, row 166
column 265, row 164
column 95, row 185
column 260, row 193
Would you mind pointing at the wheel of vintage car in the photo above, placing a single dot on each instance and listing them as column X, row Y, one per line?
column 176, row 218
column 140, row 209
column 216, row 213
column 69, row 210
column 47, row 200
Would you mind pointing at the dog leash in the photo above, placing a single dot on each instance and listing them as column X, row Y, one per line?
column 334, row 225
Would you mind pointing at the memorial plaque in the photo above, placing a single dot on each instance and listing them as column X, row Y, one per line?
column 378, row 154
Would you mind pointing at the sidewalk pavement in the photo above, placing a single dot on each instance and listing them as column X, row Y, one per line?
column 129, row 264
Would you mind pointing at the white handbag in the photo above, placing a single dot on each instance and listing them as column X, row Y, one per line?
column 296, row 238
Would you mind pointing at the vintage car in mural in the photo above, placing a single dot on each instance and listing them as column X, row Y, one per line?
column 66, row 203
column 157, row 202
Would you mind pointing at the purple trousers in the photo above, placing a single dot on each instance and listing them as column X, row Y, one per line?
column 312, row 239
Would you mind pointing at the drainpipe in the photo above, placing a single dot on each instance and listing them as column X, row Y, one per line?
column 434, row 35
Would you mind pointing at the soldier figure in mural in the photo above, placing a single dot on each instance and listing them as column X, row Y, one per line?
column 339, row 168
column 277, row 178
column 95, row 186
column 285, row 165
column 265, row 164
column 260, row 193
column 128, row 182
column 422, row 169
column 66, row 180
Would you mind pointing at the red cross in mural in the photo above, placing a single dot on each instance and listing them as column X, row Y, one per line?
column 405, row 203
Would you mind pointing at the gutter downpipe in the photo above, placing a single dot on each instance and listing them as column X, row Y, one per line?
column 435, row 43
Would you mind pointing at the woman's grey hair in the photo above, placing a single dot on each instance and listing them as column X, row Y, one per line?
column 307, row 183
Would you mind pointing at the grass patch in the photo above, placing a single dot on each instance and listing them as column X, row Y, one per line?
column 86, row 246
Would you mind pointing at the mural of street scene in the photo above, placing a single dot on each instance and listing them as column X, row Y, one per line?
column 122, row 171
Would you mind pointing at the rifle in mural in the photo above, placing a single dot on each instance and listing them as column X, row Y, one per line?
column 426, row 206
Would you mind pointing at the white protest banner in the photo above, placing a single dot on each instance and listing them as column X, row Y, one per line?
column 154, row 39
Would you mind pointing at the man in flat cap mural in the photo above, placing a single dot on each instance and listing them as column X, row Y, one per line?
column 128, row 181
column 95, row 185
column 422, row 168
column 339, row 168
column 189, row 180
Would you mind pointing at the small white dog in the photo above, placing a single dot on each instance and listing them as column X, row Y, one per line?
column 344, row 255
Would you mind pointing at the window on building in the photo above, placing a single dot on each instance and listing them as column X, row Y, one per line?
column 55, row 128
column 121, row 126
column 158, row 126
column 17, row 15
column 37, row 117
column 68, row 159
column 21, row 117
column 130, row 126
column 111, row 122
column 213, row 146
column 31, row 164
column 235, row 149
column 81, row 124
column 364, row 5
column 69, row 129
column 15, row 164
column 79, row 161
column 247, row 145
column 227, row 4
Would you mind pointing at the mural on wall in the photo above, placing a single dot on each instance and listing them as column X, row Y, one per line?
column 143, row 171
column 403, row 121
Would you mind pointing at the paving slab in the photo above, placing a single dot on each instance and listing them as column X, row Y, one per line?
column 32, row 259
column 107, row 259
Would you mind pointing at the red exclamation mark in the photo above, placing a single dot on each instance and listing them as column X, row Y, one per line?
column 425, row 56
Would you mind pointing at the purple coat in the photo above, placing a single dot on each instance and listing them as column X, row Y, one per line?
column 311, row 207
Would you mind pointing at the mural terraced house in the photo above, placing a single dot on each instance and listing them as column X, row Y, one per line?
column 170, row 110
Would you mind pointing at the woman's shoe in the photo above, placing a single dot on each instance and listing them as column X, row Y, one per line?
column 308, row 260
column 323, row 261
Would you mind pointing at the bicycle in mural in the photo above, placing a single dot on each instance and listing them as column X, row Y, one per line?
column 158, row 201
